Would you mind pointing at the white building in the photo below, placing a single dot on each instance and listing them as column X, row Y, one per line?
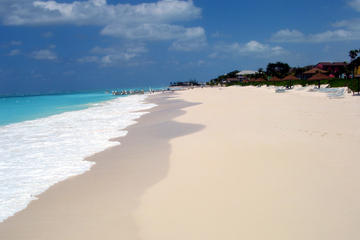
column 244, row 74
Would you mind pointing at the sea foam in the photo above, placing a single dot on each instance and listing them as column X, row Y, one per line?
column 35, row 155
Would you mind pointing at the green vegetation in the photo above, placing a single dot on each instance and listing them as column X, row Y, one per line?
column 221, row 78
column 353, row 84
column 183, row 84
column 280, row 70
column 353, row 54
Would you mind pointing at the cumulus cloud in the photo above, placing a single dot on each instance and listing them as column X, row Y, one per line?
column 355, row 4
column 351, row 25
column 287, row 35
column 351, row 33
column 99, row 12
column 113, row 55
column 146, row 21
column 44, row 54
column 336, row 35
column 190, row 40
column 252, row 48
column 345, row 30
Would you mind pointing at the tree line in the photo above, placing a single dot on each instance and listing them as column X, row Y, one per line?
column 281, row 69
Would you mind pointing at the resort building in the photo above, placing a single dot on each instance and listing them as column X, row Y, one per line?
column 335, row 68
column 232, row 80
column 357, row 71
column 244, row 75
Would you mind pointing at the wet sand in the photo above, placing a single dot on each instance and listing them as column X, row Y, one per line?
column 99, row 204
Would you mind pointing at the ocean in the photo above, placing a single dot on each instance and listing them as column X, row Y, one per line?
column 44, row 139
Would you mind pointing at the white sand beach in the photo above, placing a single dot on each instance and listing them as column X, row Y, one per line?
column 266, row 166
column 215, row 163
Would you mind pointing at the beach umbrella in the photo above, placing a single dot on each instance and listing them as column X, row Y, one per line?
column 290, row 78
column 314, row 71
column 275, row 79
column 318, row 77
column 257, row 80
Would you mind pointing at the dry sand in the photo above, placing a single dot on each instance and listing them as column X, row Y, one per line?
column 228, row 163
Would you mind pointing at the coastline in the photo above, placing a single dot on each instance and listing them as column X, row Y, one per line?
column 90, row 196
column 215, row 163
column 37, row 154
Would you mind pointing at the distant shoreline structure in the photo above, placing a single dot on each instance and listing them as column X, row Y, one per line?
column 70, row 92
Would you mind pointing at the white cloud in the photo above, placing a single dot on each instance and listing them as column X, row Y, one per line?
column 190, row 40
column 331, row 36
column 152, row 31
column 287, row 35
column 113, row 55
column 146, row 21
column 346, row 30
column 14, row 52
column 349, row 31
column 252, row 48
column 99, row 12
column 277, row 50
column 44, row 54
column 355, row 4
column 351, row 25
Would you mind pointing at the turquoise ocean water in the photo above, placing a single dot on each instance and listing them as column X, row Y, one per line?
column 21, row 108
column 45, row 139
column 18, row 109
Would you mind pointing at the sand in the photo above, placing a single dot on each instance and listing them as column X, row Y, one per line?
column 215, row 163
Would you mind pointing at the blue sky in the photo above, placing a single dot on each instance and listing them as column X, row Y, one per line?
column 60, row 45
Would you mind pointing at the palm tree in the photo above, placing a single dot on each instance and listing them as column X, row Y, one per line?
column 353, row 54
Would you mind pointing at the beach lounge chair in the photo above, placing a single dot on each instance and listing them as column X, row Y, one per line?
column 338, row 94
column 280, row 90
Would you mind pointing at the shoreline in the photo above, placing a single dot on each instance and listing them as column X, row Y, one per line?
column 121, row 165
column 39, row 153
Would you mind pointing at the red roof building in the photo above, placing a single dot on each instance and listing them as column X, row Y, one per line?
column 336, row 68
